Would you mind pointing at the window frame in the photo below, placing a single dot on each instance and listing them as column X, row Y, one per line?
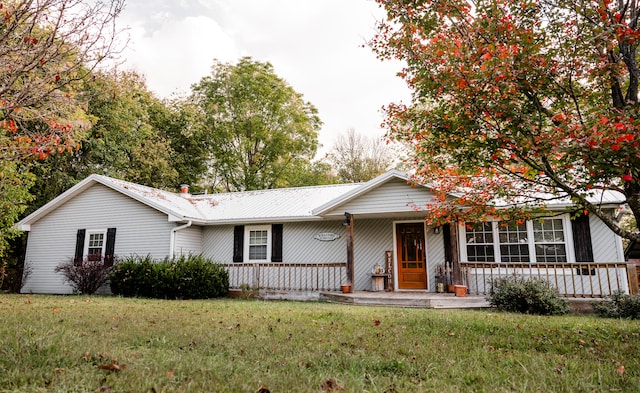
column 87, row 241
column 247, row 246
column 530, row 241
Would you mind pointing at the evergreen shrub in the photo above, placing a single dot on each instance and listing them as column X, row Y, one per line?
column 527, row 296
column 185, row 277
column 620, row 305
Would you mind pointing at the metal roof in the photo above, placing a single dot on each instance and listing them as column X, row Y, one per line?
column 272, row 205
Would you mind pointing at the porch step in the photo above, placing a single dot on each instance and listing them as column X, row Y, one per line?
column 406, row 299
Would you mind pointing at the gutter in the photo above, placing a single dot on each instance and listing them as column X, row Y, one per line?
column 172, row 242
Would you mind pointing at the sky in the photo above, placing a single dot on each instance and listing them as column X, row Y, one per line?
column 316, row 46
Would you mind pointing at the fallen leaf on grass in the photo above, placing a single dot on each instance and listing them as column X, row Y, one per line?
column 620, row 370
column 331, row 386
column 376, row 322
column 263, row 389
column 112, row 367
column 558, row 368
column 170, row 374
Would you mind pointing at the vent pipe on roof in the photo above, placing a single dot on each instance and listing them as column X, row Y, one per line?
column 184, row 190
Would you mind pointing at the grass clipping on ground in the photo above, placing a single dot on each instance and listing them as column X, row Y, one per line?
column 70, row 343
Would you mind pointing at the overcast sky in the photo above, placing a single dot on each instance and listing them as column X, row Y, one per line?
column 315, row 45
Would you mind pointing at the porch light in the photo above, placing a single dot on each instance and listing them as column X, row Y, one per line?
column 347, row 219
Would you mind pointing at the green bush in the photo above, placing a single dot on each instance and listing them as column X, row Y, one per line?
column 192, row 277
column 620, row 305
column 527, row 296
column 134, row 277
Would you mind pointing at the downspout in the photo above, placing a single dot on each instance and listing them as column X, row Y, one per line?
column 172, row 242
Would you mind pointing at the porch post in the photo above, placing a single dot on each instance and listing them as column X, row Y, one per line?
column 348, row 222
column 455, row 254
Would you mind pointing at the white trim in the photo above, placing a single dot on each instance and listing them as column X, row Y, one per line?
column 371, row 184
column 566, row 228
column 87, row 235
column 247, row 232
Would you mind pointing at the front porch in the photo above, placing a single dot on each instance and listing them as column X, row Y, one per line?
column 416, row 299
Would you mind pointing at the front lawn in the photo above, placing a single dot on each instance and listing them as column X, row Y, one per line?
column 110, row 344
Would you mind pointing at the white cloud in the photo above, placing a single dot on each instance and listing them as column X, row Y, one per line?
column 315, row 45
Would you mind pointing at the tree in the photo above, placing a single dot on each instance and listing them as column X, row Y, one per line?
column 180, row 125
column 357, row 158
column 257, row 126
column 518, row 101
column 304, row 173
column 125, row 139
column 46, row 48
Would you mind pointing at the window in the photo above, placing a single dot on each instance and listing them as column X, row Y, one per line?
column 514, row 246
column 258, row 241
column 479, row 238
column 541, row 240
column 95, row 246
column 549, row 241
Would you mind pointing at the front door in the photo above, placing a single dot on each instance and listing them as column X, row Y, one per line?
column 412, row 269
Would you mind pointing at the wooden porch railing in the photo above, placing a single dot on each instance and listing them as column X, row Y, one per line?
column 287, row 276
column 579, row 280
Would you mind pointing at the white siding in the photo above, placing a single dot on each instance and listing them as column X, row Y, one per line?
column 298, row 243
column 188, row 241
column 372, row 237
column 300, row 246
column 217, row 243
column 395, row 196
column 139, row 230
column 607, row 246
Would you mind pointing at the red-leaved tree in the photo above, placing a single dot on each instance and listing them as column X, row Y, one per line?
column 518, row 102
column 46, row 48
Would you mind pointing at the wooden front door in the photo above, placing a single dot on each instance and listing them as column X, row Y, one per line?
column 412, row 267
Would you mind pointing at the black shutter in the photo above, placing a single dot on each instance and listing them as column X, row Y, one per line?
column 446, row 237
column 276, row 243
column 582, row 239
column 238, row 243
column 582, row 244
column 110, row 247
column 448, row 254
column 77, row 260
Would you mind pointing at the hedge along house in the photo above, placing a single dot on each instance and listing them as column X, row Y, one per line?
column 314, row 239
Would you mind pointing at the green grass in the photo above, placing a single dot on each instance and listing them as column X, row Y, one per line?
column 58, row 343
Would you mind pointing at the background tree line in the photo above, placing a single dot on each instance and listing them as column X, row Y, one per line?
column 66, row 114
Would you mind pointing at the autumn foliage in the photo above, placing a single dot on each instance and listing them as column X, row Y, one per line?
column 47, row 48
column 518, row 103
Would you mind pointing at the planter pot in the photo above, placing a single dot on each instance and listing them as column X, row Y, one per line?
column 346, row 288
column 460, row 290
column 450, row 288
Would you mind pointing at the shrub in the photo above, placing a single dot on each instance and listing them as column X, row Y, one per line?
column 620, row 305
column 134, row 276
column 527, row 296
column 86, row 275
column 13, row 275
column 192, row 277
